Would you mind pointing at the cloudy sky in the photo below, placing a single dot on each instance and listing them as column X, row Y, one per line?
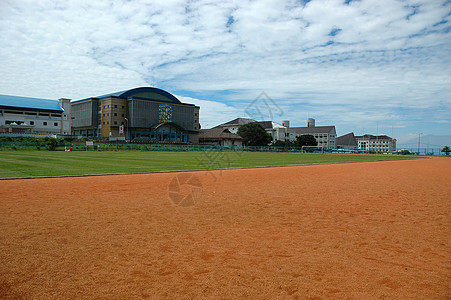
column 373, row 66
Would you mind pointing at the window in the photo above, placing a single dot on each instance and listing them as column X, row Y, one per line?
column 108, row 114
column 44, row 123
column 108, row 106
column 55, row 124
column 115, row 106
column 122, row 106
column 108, row 122
column 31, row 122
column 103, row 123
column 123, row 115
column 115, row 114
column 104, row 106
column 115, row 122
column 104, row 115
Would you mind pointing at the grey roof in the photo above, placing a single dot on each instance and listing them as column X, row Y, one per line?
column 315, row 129
column 266, row 124
column 218, row 133
column 237, row 122
column 347, row 139
column 373, row 137
column 129, row 93
column 26, row 103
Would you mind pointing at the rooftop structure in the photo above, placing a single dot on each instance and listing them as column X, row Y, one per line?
column 219, row 136
column 346, row 141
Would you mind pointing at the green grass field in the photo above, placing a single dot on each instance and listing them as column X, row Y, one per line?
column 57, row 163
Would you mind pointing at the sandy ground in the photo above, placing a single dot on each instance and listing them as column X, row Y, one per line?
column 378, row 230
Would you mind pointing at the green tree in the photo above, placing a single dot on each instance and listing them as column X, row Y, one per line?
column 51, row 143
column 278, row 143
column 446, row 150
column 254, row 134
column 306, row 140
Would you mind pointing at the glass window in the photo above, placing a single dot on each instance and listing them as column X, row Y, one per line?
column 45, row 123
column 55, row 124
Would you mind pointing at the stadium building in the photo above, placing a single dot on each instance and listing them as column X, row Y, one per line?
column 141, row 113
column 24, row 116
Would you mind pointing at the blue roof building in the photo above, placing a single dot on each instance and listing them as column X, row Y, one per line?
column 30, row 104
column 21, row 116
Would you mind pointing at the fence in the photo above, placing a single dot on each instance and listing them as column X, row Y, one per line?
column 42, row 145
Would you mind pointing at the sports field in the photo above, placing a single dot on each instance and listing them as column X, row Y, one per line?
column 366, row 230
column 55, row 163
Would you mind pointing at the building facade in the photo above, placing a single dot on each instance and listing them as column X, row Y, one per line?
column 33, row 116
column 143, row 113
column 377, row 143
column 325, row 136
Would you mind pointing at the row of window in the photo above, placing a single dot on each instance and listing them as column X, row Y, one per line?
column 108, row 106
column 108, row 123
column 115, row 114
column 44, row 123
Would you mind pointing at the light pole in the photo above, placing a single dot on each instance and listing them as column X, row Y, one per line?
column 126, row 130
column 419, row 135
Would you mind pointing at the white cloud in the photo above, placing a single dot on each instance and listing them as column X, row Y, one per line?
column 343, row 63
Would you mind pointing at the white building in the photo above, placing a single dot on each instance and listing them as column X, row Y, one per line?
column 325, row 135
column 28, row 116
column 277, row 131
column 378, row 143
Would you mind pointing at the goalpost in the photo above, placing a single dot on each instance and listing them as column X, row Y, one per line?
column 313, row 149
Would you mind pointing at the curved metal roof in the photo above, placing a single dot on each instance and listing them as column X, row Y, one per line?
column 26, row 103
column 130, row 93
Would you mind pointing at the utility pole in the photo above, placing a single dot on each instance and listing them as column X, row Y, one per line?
column 419, row 135
column 126, row 130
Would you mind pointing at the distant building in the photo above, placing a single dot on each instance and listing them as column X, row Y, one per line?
column 33, row 116
column 347, row 141
column 233, row 125
column 219, row 136
column 277, row 131
column 325, row 135
column 141, row 113
column 378, row 143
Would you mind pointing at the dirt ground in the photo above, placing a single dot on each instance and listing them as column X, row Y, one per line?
column 377, row 230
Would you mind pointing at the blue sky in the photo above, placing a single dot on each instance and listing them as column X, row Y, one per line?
column 364, row 66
